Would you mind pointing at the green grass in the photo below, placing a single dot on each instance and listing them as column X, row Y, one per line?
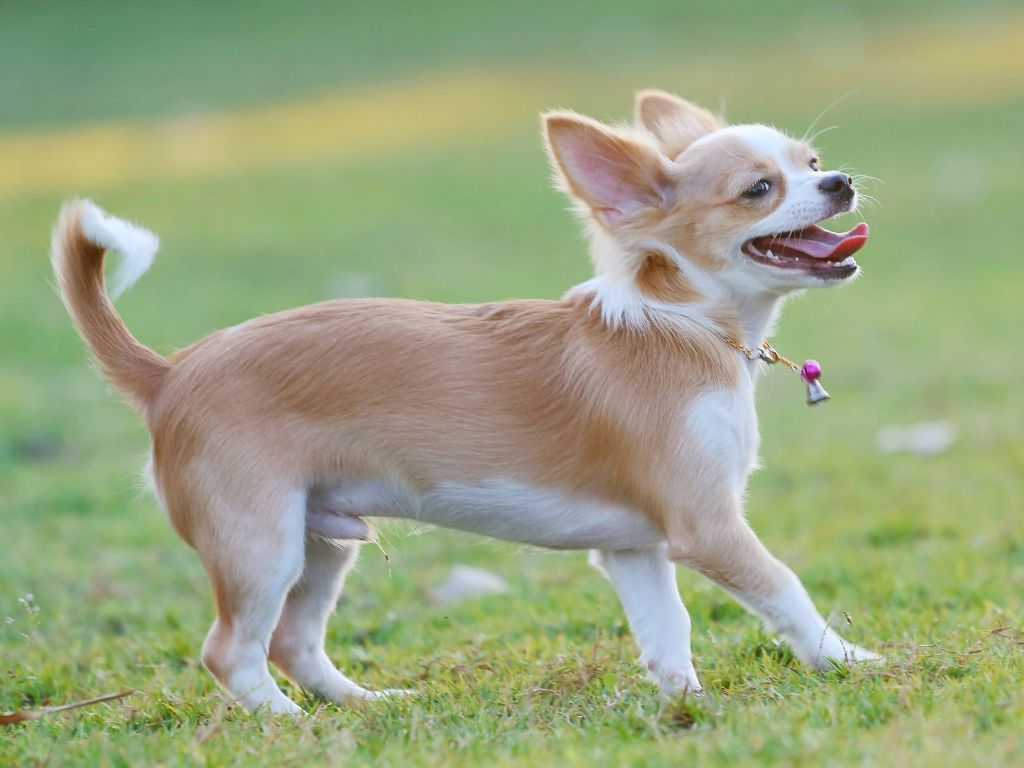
column 926, row 555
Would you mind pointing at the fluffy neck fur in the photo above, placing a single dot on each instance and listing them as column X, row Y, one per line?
column 710, row 302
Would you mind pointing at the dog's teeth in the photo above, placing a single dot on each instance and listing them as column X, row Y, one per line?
column 772, row 255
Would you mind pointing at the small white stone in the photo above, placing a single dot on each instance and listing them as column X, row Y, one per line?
column 465, row 582
column 926, row 438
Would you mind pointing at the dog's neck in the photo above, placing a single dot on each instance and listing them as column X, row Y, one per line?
column 747, row 317
column 755, row 316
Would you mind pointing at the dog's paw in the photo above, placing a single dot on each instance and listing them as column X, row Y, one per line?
column 277, row 705
column 857, row 655
column 834, row 650
column 675, row 679
column 389, row 693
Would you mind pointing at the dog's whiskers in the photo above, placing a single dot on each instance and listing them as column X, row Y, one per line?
column 826, row 110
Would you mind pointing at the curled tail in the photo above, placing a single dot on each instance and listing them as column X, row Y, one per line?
column 81, row 238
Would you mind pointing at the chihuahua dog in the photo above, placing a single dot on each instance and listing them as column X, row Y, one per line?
column 618, row 419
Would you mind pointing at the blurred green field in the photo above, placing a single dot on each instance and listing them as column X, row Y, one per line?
column 289, row 154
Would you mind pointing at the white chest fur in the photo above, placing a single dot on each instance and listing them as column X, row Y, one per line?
column 723, row 424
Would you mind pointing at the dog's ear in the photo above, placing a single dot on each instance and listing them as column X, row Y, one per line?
column 615, row 173
column 675, row 122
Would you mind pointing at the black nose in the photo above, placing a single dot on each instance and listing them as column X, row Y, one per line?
column 838, row 184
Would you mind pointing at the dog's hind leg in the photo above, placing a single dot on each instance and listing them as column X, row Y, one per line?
column 297, row 647
column 253, row 556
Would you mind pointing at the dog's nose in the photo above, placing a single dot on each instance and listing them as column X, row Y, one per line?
column 838, row 184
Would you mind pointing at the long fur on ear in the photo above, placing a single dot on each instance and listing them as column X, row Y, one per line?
column 615, row 172
column 675, row 122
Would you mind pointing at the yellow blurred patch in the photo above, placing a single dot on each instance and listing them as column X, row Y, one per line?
column 328, row 128
column 926, row 66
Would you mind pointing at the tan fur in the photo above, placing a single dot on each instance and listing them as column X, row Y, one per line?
column 638, row 165
column 676, row 122
column 661, row 280
column 390, row 388
column 801, row 153
column 710, row 212
column 133, row 369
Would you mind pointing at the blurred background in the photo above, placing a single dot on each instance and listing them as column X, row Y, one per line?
column 290, row 153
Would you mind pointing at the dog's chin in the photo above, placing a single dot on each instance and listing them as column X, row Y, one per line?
column 809, row 256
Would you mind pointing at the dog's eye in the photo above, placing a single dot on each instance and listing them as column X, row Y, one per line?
column 759, row 188
column 814, row 164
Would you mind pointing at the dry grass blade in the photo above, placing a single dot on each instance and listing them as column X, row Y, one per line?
column 11, row 718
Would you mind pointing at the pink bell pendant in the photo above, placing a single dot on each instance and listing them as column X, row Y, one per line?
column 810, row 373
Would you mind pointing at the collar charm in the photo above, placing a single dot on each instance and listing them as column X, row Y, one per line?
column 810, row 371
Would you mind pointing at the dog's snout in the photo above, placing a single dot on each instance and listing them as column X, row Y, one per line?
column 839, row 184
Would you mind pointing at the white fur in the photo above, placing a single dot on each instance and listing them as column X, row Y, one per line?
column 243, row 658
column 297, row 646
column 792, row 614
column 514, row 511
column 136, row 246
column 724, row 424
column 614, row 293
column 645, row 581
column 805, row 204
column 498, row 507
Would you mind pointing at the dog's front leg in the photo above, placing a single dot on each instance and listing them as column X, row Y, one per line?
column 645, row 581
column 723, row 547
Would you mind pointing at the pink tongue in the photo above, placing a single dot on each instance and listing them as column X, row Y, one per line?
column 818, row 243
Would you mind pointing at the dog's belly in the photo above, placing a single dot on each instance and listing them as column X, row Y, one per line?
column 499, row 508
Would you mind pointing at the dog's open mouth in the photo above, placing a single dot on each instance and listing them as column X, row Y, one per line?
column 816, row 250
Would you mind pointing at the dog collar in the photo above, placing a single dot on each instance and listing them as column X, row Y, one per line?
column 810, row 371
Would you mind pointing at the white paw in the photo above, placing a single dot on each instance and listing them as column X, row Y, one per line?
column 387, row 693
column 834, row 649
column 266, row 696
column 279, row 705
column 674, row 678
column 855, row 654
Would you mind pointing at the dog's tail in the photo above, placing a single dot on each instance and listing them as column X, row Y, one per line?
column 81, row 238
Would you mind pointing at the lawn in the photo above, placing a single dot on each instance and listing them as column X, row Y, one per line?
column 285, row 158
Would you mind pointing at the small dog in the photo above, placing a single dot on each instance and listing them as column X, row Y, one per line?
column 619, row 419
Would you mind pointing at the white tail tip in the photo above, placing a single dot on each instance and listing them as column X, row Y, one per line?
column 136, row 246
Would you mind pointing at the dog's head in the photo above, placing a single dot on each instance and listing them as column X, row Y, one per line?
column 737, row 206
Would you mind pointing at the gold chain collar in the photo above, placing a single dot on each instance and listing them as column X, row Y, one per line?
column 766, row 353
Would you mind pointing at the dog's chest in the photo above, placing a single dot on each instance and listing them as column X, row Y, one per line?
column 722, row 424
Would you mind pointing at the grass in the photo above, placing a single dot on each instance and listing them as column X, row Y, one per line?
column 925, row 555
